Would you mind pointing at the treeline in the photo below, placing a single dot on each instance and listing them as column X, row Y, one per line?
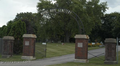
column 109, row 28
column 62, row 26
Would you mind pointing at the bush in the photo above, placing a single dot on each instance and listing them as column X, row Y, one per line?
column 18, row 46
column 89, row 44
column 93, row 45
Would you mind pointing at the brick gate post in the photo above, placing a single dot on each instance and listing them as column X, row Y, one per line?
column 7, row 47
column 81, row 48
column 29, row 46
column 110, row 51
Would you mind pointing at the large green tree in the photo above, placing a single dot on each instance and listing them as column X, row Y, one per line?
column 109, row 28
column 3, row 31
column 111, row 25
column 63, row 26
column 43, row 28
column 29, row 19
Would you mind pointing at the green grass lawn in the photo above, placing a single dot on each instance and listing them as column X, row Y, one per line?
column 58, row 49
column 53, row 50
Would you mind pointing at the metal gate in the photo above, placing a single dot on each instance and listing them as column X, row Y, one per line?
column 1, row 42
column 40, row 50
column 99, row 55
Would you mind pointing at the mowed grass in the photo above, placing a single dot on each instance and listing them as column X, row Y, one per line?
column 57, row 49
column 98, row 61
column 52, row 50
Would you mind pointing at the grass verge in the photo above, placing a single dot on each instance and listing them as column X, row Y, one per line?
column 11, row 59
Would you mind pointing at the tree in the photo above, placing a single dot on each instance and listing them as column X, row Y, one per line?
column 29, row 20
column 116, row 24
column 3, row 31
column 109, row 27
column 17, row 30
column 0, row 32
column 62, row 25
column 43, row 32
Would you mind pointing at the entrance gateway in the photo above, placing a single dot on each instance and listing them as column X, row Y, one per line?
column 81, row 42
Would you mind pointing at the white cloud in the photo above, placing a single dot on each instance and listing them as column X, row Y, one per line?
column 9, row 9
column 113, row 5
column 115, row 9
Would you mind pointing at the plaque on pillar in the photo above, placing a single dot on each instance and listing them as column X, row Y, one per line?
column 26, row 43
column 80, row 44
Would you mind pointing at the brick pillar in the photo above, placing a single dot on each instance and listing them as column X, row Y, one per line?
column 110, row 51
column 29, row 46
column 7, row 46
column 81, row 48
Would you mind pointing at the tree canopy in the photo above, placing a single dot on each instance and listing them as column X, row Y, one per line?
column 109, row 28
column 62, row 26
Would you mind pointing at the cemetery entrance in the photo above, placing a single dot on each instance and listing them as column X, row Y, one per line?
column 47, row 15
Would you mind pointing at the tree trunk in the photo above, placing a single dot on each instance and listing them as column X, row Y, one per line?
column 67, row 37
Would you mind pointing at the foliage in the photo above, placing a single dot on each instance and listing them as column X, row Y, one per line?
column 0, row 32
column 111, row 25
column 63, row 26
column 94, row 45
column 109, row 28
column 17, row 29
column 29, row 20
column 3, row 31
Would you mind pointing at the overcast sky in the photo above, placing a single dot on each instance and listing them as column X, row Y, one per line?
column 9, row 8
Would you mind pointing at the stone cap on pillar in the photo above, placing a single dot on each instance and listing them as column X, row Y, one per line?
column 110, row 40
column 8, row 37
column 29, row 36
column 82, row 36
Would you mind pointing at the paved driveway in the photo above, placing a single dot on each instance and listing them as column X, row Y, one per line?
column 54, row 60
